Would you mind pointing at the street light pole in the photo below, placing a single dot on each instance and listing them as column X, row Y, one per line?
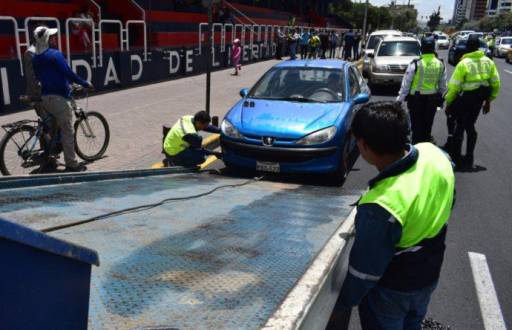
column 365, row 20
column 209, row 56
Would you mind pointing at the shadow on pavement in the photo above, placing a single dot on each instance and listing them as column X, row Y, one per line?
column 384, row 90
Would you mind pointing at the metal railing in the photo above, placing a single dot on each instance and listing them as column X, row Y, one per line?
column 121, row 37
column 16, row 37
column 68, row 46
column 127, row 32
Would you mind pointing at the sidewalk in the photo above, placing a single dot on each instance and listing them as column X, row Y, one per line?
column 136, row 115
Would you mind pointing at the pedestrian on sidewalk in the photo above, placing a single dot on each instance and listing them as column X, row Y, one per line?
column 314, row 43
column 357, row 42
column 333, row 40
column 324, row 44
column 400, row 225
column 475, row 82
column 236, row 55
column 423, row 87
column 304, row 44
column 349, row 45
column 183, row 144
column 293, row 43
column 280, row 39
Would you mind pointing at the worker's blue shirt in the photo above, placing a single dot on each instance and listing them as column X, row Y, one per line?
column 304, row 39
column 54, row 73
column 377, row 233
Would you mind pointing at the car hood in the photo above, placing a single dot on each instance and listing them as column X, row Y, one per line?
column 400, row 60
column 283, row 119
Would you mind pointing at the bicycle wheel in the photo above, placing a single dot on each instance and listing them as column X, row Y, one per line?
column 92, row 135
column 19, row 150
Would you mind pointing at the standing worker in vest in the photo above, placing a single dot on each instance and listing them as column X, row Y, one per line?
column 423, row 87
column 401, row 223
column 183, row 144
column 475, row 82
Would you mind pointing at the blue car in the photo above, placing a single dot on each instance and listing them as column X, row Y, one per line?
column 296, row 119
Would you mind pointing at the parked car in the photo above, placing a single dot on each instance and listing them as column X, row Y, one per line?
column 372, row 43
column 503, row 45
column 296, row 119
column 442, row 41
column 391, row 59
column 461, row 34
column 459, row 49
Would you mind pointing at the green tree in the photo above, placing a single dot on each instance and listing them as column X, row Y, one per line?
column 434, row 20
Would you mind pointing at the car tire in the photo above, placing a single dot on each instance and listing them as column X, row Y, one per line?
column 340, row 176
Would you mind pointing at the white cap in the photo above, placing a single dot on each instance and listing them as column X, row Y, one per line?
column 41, row 36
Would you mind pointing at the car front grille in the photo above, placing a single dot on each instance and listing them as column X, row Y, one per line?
column 397, row 68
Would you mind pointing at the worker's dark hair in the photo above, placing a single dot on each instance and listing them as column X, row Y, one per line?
column 202, row 117
column 384, row 126
column 473, row 43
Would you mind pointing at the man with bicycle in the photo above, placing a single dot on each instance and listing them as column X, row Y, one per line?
column 55, row 75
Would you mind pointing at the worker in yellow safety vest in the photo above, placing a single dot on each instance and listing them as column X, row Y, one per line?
column 400, row 225
column 183, row 144
column 473, row 85
column 423, row 87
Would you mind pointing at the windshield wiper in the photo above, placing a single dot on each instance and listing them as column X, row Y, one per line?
column 298, row 99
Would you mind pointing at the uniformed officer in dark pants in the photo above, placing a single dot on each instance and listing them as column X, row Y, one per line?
column 423, row 87
column 473, row 85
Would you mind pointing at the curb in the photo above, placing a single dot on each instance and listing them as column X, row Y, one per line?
column 210, row 142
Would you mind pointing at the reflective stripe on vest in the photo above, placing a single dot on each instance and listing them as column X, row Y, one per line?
column 426, row 78
column 174, row 143
column 420, row 198
column 478, row 73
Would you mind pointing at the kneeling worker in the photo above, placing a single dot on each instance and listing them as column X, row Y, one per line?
column 401, row 222
column 183, row 144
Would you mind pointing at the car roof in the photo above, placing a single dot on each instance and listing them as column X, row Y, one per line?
column 324, row 64
column 400, row 39
column 385, row 32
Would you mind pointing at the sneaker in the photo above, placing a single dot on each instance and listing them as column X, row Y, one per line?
column 76, row 168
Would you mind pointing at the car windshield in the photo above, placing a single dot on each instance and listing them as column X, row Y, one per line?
column 441, row 38
column 463, row 42
column 506, row 41
column 373, row 42
column 399, row 48
column 301, row 85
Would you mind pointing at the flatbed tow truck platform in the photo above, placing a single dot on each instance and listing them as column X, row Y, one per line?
column 206, row 252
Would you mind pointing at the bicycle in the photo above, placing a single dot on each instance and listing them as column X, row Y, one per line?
column 31, row 143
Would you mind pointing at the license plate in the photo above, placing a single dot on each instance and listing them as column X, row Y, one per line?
column 268, row 167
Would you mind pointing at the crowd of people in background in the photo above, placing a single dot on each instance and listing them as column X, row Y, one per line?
column 314, row 44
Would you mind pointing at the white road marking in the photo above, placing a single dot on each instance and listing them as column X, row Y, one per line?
column 508, row 71
column 489, row 304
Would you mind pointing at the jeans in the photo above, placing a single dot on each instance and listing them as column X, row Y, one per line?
column 188, row 158
column 388, row 309
column 293, row 50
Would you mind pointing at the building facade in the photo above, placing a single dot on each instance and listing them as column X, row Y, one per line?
column 497, row 7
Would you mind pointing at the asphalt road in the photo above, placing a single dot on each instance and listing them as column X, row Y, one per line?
column 480, row 221
column 484, row 198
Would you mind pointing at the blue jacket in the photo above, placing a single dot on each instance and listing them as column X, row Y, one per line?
column 54, row 73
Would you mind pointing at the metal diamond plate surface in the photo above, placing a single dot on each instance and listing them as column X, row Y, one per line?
column 222, row 261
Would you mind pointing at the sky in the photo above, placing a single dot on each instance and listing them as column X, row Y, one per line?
column 424, row 7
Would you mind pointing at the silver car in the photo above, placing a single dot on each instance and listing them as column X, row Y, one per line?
column 503, row 45
column 371, row 45
column 391, row 59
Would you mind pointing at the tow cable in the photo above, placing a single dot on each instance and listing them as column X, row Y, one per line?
column 146, row 207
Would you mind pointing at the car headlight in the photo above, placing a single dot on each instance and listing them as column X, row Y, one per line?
column 229, row 130
column 318, row 137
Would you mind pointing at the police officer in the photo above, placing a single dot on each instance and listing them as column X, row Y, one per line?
column 183, row 144
column 423, row 87
column 400, row 225
column 474, row 84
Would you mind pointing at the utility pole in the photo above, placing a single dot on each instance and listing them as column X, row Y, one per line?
column 365, row 20
column 209, row 55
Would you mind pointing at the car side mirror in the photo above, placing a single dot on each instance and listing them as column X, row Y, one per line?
column 361, row 98
column 244, row 92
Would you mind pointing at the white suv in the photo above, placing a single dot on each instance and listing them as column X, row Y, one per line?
column 391, row 59
column 372, row 43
